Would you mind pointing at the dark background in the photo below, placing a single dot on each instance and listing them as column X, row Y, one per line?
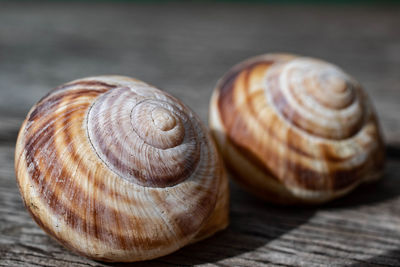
column 184, row 48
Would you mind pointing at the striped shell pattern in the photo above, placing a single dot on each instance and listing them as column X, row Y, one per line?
column 117, row 170
column 296, row 129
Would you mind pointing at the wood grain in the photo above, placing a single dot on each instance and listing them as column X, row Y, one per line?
column 184, row 49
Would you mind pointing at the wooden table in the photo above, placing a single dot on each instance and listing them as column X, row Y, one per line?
column 184, row 49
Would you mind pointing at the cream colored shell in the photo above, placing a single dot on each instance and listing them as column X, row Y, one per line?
column 296, row 129
column 117, row 170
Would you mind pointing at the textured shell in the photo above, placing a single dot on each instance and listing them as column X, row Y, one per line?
column 296, row 129
column 117, row 170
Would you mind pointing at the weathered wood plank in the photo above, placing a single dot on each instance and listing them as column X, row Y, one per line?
column 184, row 49
column 361, row 228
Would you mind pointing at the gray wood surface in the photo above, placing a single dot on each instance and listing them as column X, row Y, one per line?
column 184, row 49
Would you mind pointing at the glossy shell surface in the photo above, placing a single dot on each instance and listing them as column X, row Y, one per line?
column 117, row 170
column 296, row 129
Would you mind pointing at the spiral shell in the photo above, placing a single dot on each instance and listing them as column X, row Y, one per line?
column 296, row 129
column 117, row 170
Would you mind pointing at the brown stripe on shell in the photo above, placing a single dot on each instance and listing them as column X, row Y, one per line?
column 45, row 189
column 31, row 144
column 48, row 230
column 301, row 122
column 235, row 126
column 84, row 198
column 227, row 82
column 68, row 210
column 241, row 137
column 51, row 195
column 51, row 141
column 87, row 84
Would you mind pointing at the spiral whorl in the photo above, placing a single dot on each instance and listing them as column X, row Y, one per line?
column 296, row 128
column 316, row 96
column 147, row 141
column 118, row 170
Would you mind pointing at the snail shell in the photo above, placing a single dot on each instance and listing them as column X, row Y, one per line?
column 117, row 170
column 295, row 129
